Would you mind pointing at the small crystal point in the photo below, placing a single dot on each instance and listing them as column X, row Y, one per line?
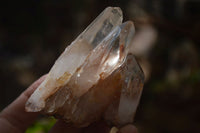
column 95, row 77
column 122, row 111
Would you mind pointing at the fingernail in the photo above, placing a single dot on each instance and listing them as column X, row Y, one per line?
column 114, row 130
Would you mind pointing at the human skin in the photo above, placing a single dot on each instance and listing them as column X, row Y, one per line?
column 14, row 118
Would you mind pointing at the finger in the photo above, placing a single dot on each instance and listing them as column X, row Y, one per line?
column 97, row 127
column 14, row 116
column 128, row 129
column 62, row 127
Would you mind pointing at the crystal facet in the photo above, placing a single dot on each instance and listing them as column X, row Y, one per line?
column 95, row 77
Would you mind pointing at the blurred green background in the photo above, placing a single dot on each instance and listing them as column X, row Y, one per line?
column 34, row 33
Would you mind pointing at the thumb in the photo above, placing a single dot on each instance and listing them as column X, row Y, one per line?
column 14, row 118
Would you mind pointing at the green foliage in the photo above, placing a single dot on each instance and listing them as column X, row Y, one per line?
column 42, row 125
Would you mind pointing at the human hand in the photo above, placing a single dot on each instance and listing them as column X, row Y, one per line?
column 14, row 118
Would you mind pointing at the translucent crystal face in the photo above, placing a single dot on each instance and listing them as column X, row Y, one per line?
column 95, row 77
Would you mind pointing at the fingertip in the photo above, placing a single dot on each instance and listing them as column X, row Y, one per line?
column 128, row 129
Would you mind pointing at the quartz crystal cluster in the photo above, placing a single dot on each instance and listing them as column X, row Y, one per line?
column 96, row 77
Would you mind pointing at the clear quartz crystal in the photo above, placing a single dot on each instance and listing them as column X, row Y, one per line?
column 74, row 55
column 95, row 77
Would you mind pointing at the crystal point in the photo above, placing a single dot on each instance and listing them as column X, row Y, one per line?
column 95, row 77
